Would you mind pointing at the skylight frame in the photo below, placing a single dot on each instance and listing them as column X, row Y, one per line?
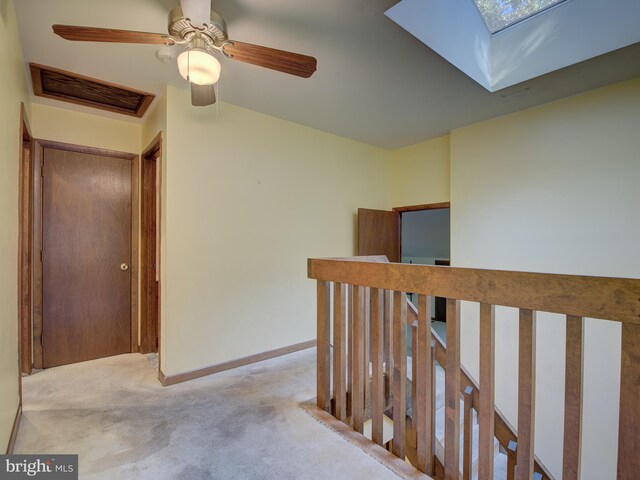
column 518, row 21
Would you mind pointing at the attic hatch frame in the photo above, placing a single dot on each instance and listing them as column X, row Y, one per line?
column 70, row 87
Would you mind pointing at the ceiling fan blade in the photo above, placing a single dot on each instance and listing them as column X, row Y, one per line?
column 280, row 60
column 197, row 11
column 203, row 95
column 92, row 34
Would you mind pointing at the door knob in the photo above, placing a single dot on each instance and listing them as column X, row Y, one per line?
column 124, row 266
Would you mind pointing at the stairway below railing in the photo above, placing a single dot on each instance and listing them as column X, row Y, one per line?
column 362, row 303
column 504, row 432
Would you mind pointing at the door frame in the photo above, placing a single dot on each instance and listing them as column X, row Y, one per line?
column 153, row 153
column 417, row 208
column 25, row 246
column 38, row 154
column 426, row 206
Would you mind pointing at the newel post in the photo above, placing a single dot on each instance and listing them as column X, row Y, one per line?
column 324, row 353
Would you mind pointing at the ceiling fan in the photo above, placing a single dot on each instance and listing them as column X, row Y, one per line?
column 203, row 33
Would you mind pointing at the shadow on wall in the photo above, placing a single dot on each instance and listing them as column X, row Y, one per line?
column 4, row 11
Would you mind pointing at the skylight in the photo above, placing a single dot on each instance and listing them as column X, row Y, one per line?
column 500, row 14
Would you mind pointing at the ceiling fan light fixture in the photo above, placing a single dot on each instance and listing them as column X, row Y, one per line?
column 199, row 67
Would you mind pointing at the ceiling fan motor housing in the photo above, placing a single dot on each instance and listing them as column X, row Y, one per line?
column 215, row 31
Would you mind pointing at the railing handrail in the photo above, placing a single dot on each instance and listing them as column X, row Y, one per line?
column 375, row 327
column 603, row 298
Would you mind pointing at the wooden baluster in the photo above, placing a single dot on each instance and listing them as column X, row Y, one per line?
column 388, row 345
column 629, row 426
column 350, row 351
column 339, row 350
column 399, row 372
column 468, row 433
column 573, row 398
column 323, row 375
column 452, row 393
column 367, row 353
column 526, row 393
column 487, row 389
column 512, row 450
column 414, row 376
column 357, row 403
column 425, row 407
column 432, row 431
column 377, row 354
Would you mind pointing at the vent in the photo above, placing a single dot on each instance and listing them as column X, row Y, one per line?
column 71, row 87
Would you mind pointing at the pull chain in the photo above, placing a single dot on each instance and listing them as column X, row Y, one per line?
column 217, row 100
column 188, row 66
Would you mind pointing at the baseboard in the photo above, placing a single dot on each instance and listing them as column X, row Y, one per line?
column 168, row 380
column 14, row 430
column 401, row 468
column 161, row 377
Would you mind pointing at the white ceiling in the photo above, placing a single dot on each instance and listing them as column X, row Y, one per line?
column 375, row 82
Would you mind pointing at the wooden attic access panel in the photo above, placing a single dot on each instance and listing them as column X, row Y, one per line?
column 71, row 87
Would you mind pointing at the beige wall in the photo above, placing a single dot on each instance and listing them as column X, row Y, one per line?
column 155, row 122
column 14, row 90
column 248, row 199
column 69, row 126
column 553, row 189
column 420, row 173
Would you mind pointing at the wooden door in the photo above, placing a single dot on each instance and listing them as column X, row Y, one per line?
column 86, row 246
column 148, row 256
column 379, row 233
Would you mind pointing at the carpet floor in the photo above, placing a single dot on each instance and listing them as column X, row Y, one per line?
column 240, row 424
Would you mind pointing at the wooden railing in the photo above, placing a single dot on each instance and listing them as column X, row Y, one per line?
column 368, row 368
column 504, row 432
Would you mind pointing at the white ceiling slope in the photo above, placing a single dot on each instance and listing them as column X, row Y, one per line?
column 543, row 43
column 375, row 82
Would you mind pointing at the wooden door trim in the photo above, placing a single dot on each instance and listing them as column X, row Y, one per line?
column 36, row 334
column 426, row 206
column 38, row 147
column 135, row 250
column 418, row 208
column 154, row 148
column 70, row 147
column 25, row 246
column 154, row 153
